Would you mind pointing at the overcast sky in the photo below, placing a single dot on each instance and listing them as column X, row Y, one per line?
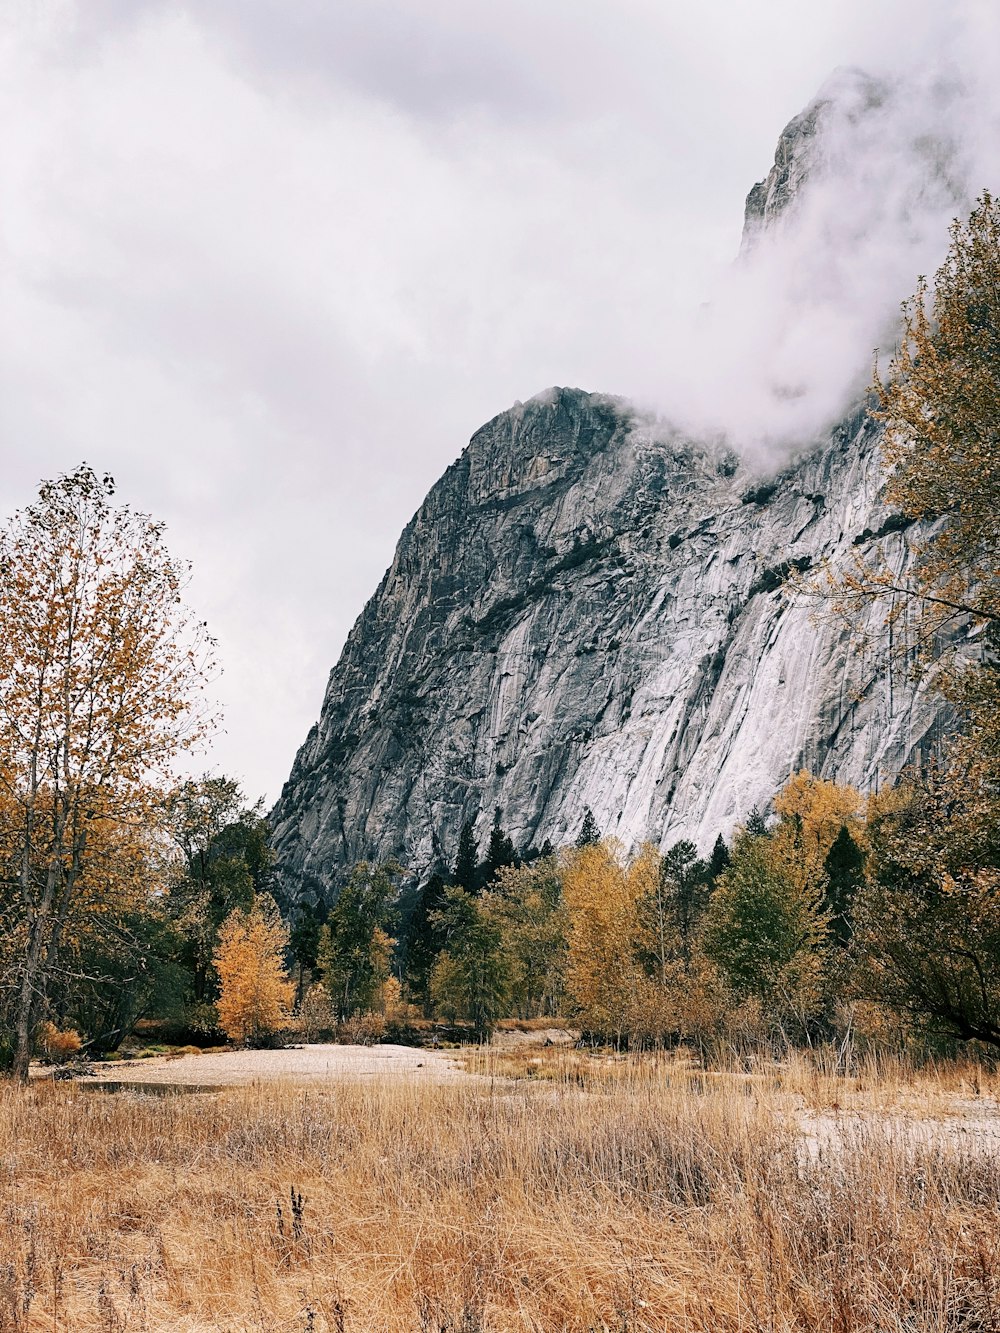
column 271, row 262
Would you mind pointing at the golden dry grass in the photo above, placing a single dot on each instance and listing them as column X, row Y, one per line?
column 651, row 1198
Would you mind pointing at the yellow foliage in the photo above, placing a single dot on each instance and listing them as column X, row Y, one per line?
column 256, row 995
column 604, row 980
column 59, row 1046
column 813, row 811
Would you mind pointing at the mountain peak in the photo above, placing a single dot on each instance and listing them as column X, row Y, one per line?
column 848, row 93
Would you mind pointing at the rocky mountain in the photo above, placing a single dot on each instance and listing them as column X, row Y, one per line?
column 848, row 95
column 589, row 610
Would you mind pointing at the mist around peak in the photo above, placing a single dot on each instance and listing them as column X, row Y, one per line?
column 865, row 183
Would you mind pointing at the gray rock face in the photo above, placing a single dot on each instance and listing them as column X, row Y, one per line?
column 584, row 614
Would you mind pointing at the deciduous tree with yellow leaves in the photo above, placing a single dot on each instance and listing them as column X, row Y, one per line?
column 101, row 670
column 255, row 994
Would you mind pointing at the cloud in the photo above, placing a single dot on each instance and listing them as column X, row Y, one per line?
column 272, row 265
column 785, row 345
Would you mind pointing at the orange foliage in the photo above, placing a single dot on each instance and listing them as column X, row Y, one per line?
column 256, row 994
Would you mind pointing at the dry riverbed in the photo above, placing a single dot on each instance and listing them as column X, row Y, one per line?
column 322, row 1062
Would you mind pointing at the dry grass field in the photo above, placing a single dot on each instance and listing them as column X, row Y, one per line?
column 554, row 1191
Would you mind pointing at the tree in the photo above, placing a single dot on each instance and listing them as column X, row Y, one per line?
column 605, row 980
column 467, row 861
column 225, row 860
column 255, row 993
column 942, row 439
column 682, row 883
column 500, row 851
column 756, row 824
column 424, row 940
column 470, row 977
column 927, row 924
column 845, row 873
column 529, row 908
column 719, row 859
column 764, row 930
column 589, row 832
column 304, row 941
column 101, row 670
column 355, row 948
column 941, row 446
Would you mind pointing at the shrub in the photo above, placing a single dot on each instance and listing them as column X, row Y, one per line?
column 59, row 1046
column 361, row 1030
column 317, row 1020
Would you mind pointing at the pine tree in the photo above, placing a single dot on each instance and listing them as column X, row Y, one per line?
column 765, row 930
column 499, row 853
column 355, row 945
column 424, row 941
column 470, row 976
column 467, row 861
column 304, row 941
column 683, row 878
column 845, row 867
column 756, row 824
column 589, row 832
column 255, row 994
column 719, row 859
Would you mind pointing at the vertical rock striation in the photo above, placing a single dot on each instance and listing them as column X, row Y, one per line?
column 582, row 613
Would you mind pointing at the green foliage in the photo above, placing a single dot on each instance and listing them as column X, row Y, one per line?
column 500, row 852
column 589, row 832
column 355, row 947
column 756, row 824
column 845, row 873
column 423, row 941
column 765, row 931
column 529, row 909
column 719, row 859
column 467, row 861
column 470, row 979
column 225, row 861
column 304, row 941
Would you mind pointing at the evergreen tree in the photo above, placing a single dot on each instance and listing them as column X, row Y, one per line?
column 304, row 940
column 424, row 941
column 499, row 853
column 764, row 929
column 470, row 977
column 467, row 861
column 683, row 877
column 756, row 824
column 719, row 859
column 355, row 945
column 589, row 832
column 845, row 867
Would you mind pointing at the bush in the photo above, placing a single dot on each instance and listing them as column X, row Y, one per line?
column 317, row 1020
column 361, row 1030
column 58, row 1046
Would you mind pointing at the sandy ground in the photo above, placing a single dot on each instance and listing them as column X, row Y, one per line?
column 971, row 1126
column 320, row 1062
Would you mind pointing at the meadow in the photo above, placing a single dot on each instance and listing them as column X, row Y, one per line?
column 548, row 1190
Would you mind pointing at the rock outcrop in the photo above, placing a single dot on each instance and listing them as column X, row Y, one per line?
column 582, row 613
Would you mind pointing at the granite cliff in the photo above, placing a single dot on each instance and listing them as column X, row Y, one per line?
column 592, row 610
